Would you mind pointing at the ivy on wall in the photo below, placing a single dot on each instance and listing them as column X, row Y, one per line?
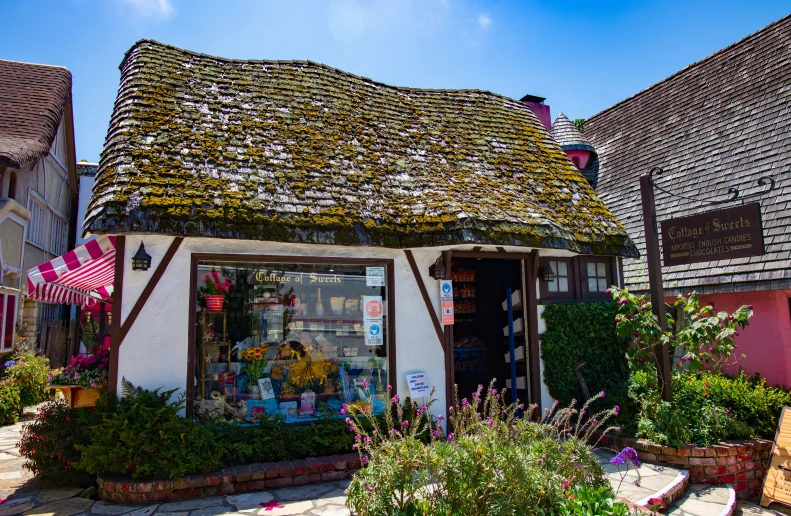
column 583, row 332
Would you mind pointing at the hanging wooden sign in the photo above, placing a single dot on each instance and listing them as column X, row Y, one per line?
column 717, row 235
column 777, row 481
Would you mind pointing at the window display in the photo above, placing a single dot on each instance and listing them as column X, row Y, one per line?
column 295, row 340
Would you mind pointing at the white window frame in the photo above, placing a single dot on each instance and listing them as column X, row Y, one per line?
column 38, row 228
column 59, row 235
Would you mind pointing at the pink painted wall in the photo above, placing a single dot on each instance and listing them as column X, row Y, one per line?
column 766, row 342
column 582, row 157
column 542, row 113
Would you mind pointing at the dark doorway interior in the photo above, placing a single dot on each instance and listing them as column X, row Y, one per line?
column 479, row 344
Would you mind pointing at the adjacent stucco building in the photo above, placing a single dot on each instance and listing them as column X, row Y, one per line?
column 38, row 184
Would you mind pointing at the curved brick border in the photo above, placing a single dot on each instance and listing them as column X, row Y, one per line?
column 253, row 477
column 740, row 463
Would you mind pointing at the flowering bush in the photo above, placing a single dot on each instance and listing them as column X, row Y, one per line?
column 707, row 342
column 492, row 461
column 30, row 373
column 214, row 286
column 10, row 403
column 48, row 442
column 87, row 371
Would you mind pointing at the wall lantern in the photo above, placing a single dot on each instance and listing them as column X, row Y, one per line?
column 545, row 273
column 437, row 271
column 141, row 261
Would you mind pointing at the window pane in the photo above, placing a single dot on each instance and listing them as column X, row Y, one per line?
column 552, row 286
column 600, row 270
column 561, row 268
column 305, row 347
column 564, row 284
column 602, row 284
column 592, row 284
column 591, row 269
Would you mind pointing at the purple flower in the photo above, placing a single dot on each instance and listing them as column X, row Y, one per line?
column 366, row 383
column 440, row 417
column 450, row 437
column 616, row 409
column 395, row 398
column 603, row 394
column 10, row 363
column 521, row 406
column 405, row 424
column 389, row 387
column 626, row 456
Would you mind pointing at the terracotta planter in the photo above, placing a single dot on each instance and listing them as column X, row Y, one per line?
column 214, row 303
column 76, row 396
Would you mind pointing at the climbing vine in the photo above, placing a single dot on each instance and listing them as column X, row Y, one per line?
column 583, row 332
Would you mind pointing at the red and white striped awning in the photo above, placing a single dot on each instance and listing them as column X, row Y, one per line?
column 83, row 276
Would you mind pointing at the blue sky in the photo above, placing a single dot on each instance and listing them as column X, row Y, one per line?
column 582, row 56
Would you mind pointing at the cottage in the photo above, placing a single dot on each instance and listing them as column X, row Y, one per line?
column 279, row 229
column 38, row 191
column 719, row 123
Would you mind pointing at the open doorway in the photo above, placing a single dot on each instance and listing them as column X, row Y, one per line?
column 480, row 345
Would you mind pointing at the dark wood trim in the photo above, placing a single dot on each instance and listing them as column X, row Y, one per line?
column 149, row 288
column 477, row 248
column 392, row 379
column 501, row 249
column 621, row 280
column 115, row 326
column 450, row 370
column 191, row 344
column 578, row 278
column 265, row 258
column 532, row 334
column 584, row 260
column 485, row 254
column 571, row 275
column 426, row 299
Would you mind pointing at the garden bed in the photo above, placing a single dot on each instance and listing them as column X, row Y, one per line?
column 741, row 463
column 240, row 479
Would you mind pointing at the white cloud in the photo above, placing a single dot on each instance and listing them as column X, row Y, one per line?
column 152, row 8
column 484, row 21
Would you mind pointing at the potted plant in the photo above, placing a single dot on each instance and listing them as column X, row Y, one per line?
column 214, row 291
column 80, row 381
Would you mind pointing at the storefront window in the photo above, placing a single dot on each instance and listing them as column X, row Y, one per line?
column 290, row 340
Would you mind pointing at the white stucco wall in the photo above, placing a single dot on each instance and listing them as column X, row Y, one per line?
column 154, row 353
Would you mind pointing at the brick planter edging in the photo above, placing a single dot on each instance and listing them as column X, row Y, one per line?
column 742, row 463
column 239, row 479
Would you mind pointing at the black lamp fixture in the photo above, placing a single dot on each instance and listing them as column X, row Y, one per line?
column 437, row 271
column 141, row 261
column 545, row 273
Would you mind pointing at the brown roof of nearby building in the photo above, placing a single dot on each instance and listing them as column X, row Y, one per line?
column 724, row 121
column 297, row 151
column 32, row 100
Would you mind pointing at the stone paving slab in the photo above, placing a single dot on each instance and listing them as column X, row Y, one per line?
column 751, row 509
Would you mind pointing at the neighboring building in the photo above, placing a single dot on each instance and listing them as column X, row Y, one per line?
column 321, row 195
column 724, row 121
column 38, row 183
column 87, row 174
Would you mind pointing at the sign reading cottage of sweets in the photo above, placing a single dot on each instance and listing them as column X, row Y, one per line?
column 717, row 235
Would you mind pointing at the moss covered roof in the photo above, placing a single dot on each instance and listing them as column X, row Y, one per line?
column 297, row 151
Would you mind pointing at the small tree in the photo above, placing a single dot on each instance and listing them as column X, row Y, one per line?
column 707, row 338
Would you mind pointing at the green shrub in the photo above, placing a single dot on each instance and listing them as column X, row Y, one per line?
column 491, row 463
column 30, row 373
column 748, row 398
column 589, row 501
column 49, row 442
column 586, row 332
column 142, row 435
column 10, row 402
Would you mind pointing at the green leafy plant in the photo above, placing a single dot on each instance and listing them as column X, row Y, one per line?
column 142, row 435
column 30, row 373
column 49, row 443
column 585, row 333
column 591, row 501
column 707, row 343
column 492, row 462
column 10, row 402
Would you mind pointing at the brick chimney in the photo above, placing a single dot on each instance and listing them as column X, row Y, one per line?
column 540, row 109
